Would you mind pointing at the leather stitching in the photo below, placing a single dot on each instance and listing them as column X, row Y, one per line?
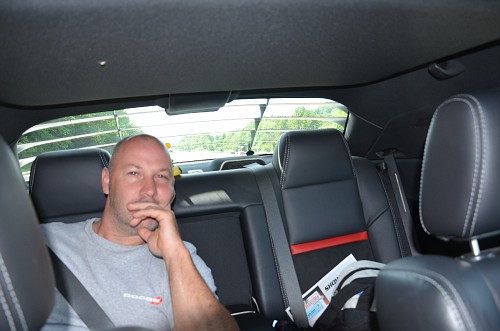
column 12, row 294
column 103, row 160
column 288, row 142
column 473, row 197
column 396, row 229
column 348, row 153
column 33, row 172
column 6, row 310
column 280, row 277
column 470, row 205
column 450, row 295
column 482, row 161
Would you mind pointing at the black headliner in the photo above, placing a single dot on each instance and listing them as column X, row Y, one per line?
column 370, row 55
column 52, row 50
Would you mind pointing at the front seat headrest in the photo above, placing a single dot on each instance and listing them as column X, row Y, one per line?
column 460, row 182
column 66, row 185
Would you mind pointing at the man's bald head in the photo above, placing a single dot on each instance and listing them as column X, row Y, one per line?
column 122, row 143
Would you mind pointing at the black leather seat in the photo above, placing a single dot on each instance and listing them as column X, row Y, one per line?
column 65, row 186
column 334, row 205
column 459, row 192
column 26, row 277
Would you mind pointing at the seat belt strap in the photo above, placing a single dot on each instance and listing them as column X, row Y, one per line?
column 78, row 297
column 403, row 220
column 281, row 248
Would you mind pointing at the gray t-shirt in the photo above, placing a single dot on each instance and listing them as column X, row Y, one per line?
column 128, row 282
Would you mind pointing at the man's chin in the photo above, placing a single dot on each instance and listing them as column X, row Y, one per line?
column 148, row 223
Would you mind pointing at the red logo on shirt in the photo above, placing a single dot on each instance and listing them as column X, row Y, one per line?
column 157, row 301
column 154, row 301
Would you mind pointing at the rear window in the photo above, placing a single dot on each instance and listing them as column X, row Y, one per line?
column 240, row 127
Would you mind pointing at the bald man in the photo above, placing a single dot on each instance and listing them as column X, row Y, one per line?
column 133, row 260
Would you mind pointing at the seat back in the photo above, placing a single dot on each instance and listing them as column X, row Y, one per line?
column 459, row 191
column 331, row 209
column 26, row 277
column 210, row 209
column 65, row 186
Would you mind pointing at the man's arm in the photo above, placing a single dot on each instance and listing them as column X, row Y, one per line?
column 194, row 305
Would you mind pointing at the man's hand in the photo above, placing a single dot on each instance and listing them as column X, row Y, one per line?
column 165, row 241
column 189, row 291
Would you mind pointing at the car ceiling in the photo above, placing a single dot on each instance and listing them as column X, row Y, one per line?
column 63, row 57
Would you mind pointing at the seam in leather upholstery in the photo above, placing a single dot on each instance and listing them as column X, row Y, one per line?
column 450, row 294
column 482, row 162
column 471, row 205
column 33, row 172
column 377, row 217
column 349, row 154
column 6, row 310
column 420, row 216
column 396, row 229
column 288, row 142
column 103, row 160
column 492, row 288
column 325, row 182
column 279, row 158
column 12, row 294
column 426, row 147
column 284, row 295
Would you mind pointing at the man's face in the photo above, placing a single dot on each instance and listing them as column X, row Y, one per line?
column 141, row 172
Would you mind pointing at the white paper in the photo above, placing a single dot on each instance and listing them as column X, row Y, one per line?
column 317, row 298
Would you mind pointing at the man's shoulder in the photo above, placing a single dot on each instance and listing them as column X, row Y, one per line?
column 62, row 226
column 60, row 231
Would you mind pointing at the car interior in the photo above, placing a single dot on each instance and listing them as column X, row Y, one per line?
column 405, row 176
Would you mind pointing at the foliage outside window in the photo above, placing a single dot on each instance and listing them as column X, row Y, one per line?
column 240, row 126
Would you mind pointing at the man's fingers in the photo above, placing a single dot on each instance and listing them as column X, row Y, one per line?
column 164, row 238
column 151, row 238
column 144, row 210
column 145, row 204
column 144, row 233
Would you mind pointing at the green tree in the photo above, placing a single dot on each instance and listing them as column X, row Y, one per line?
column 100, row 130
column 268, row 132
column 270, row 129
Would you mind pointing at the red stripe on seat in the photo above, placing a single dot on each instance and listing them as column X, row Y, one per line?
column 325, row 243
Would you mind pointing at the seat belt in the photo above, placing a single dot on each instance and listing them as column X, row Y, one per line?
column 281, row 248
column 78, row 297
column 403, row 219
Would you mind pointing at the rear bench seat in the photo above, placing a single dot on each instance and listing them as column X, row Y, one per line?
column 334, row 205
column 222, row 214
column 213, row 212
column 65, row 186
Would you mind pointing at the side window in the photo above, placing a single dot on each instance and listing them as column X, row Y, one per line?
column 241, row 126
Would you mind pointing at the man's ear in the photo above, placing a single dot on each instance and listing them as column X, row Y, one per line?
column 105, row 180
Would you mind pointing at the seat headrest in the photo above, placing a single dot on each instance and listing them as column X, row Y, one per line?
column 26, row 277
column 460, row 182
column 66, row 185
column 312, row 157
